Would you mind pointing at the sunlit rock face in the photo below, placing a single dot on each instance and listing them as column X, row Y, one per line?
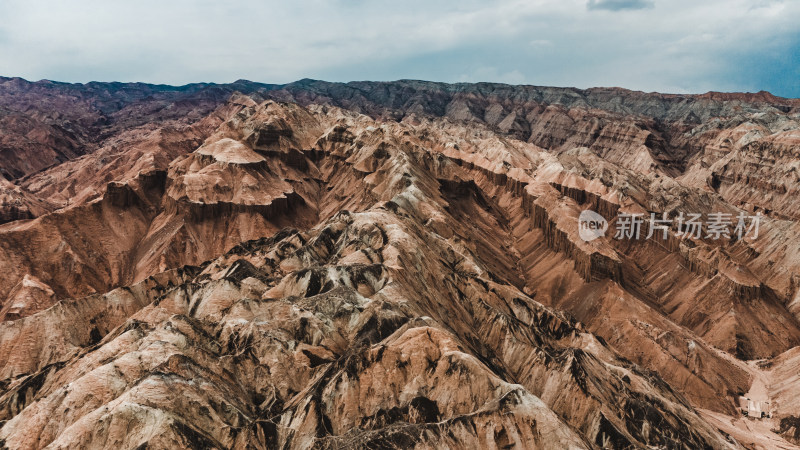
column 400, row 265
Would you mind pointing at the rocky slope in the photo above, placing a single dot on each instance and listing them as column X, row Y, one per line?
column 45, row 123
column 293, row 273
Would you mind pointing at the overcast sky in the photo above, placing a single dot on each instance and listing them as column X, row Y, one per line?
column 651, row 45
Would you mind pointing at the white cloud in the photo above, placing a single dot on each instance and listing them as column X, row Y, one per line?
column 539, row 43
column 681, row 44
column 620, row 5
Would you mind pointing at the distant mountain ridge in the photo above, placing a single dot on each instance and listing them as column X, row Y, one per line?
column 60, row 121
column 394, row 264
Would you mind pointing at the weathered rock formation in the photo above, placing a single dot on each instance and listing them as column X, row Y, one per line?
column 294, row 273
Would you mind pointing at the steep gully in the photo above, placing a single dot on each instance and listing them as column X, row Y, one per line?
column 544, row 237
column 381, row 265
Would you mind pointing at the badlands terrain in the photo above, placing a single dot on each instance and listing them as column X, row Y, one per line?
column 393, row 265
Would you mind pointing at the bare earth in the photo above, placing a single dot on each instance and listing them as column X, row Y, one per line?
column 392, row 265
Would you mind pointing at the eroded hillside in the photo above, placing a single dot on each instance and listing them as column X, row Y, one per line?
column 294, row 273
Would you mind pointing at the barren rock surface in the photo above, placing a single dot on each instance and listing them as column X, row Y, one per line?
column 394, row 265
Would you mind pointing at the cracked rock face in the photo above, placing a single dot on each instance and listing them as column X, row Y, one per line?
column 295, row 274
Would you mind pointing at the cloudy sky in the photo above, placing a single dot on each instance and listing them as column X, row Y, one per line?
column 650, row 45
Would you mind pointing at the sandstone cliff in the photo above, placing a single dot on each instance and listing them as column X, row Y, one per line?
column 293, row 274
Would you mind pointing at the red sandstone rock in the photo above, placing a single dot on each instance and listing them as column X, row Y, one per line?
column 267, row 274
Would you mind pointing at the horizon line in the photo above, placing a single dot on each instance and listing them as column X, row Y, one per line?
column 762, row 92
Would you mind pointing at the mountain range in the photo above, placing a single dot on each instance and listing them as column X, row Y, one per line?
column 393, row 265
